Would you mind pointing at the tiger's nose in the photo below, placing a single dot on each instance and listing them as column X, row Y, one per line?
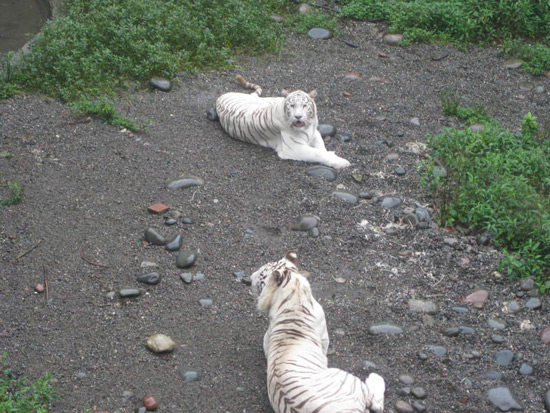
column 298, row 117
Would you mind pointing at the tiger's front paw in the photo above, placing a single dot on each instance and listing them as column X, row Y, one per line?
column 338, row 163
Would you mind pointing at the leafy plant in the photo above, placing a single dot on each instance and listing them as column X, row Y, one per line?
column 467, row 22
column 16, row 396
column 105, row 110
column 16, row 194
column 497, row 181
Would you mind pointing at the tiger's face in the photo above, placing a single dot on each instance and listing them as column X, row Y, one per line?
column 300, row 108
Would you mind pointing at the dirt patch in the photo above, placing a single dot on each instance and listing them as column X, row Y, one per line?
column 88, row 185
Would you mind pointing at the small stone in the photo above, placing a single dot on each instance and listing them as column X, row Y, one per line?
column 326, row 130
column 186, row 259
column 322, row 172
column 205, row 302
column 496, row 338
column 39, row 288
column 400, row 171
column 305, row 223
column 81, row 375
column 198, row 276
column 185, row 182
column 451, row 331
column 513, row 63
column 175, row 243
column 404, row 391
column 313, row 232
column 212, row 115
column 153, row 237
column 428, row 307
column 452, row 242
column 276, row 18
column 345, row 137
column 527, row 284
column 513, row 307
column 352, row 75
column 110, row 295
column 460, row 310
column 419, row 392
column 502, row 398
column 493, row 375
column 419, row 406
column 357, row 177
column 151, row 278
column 504, row 357
column 365, row 195
column 187, row 220
column 466, row 330
column 392, row 39
column 385, row 328
column 392, row 157
column 477, row 297
column 129, row 292
column 533, row 304
column 428, row 320
column 170, row 221
column 547, row 395
column 545, row 335
column 148, row 264
column 317, row 33
column 186, row 277
column 189, row 374
column 164, row 85
column 439, row 351
column 390, row 202
column 160, row 343
column 150, row 403
column 415, row 121
column 239, row 274
column 525, row 370
column 403, row 407
column 346, row 197
column 406, row 379
column 497, row 324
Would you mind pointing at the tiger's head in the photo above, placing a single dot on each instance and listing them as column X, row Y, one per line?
column 300, row 108
column 277, row 275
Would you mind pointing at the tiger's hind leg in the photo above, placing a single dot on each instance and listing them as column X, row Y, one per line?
column 376, row 388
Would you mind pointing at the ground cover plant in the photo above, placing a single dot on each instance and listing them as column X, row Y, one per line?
column 520, row 27
column 497, row 181
column 16, row 396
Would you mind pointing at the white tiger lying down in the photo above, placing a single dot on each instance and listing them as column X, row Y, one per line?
column 286, row 124
column 298, row 378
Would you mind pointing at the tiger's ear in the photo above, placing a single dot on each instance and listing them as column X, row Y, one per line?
column 278, row 275
column 292, row 257
column 313, row 94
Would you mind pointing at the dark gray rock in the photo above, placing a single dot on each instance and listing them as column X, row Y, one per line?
column 151, row 278
column 212, row 115
column 129, row 292
column 497, row 324
column 422, row 213
column 322, row 172
column 400, row 171
column 451, row 331
column 502, row 398
column 305, row 223
column 419, row 406
column 439, row 351
column 406, row 379
column 460, row 310
column 547, row 401
column 466, row 330
column 164, row 85
column 313, row 232
column 170, row 221
column 345, row 137
column 346, row 197
column 533, row 304
column 317, row 33
column 187, row 220
column 525, row 370
column 186, row 259
column 153, row 237
column 419, row 392
column 326, row 130
column 496, row 338
column 390, row 202
column 504, row 357
column 175, row 243
column 410, row 219
column 493, row 375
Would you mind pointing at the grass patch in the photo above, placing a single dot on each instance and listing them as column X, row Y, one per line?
column 16, row 195
column 497, row 181
column 467, row 22
column 16, row 396
column 104, row 109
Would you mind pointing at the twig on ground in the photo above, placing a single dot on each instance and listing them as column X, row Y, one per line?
column 89, row 261
column 46, row 287
column 29, row 250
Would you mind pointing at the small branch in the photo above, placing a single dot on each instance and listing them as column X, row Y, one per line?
column 29, row 250
column 46, row 287
column 97, row 264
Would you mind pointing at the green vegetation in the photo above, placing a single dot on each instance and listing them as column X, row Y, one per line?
column 497, row 181
column 18, row 397
column 103, row 109
column 15, row 197
column 467, row 22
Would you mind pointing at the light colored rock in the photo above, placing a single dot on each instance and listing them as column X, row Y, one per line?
column 160, row 343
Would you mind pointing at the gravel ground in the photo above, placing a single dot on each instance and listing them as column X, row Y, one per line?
column 88, row 186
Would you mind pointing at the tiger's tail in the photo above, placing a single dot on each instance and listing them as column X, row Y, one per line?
column 244, row 83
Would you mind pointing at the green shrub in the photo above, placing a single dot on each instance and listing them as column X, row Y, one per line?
column 15, row 197
column 466, row 22
column 497, row 181
column 16, row 396
column 105, row 110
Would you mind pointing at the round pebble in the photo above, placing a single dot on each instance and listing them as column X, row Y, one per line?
column 419, row 406
column 322, row 172
column 496, row 338
column 400, row 171
column 153, row 237
column 317, row 33
column 419, row 392
column 451, row 331
column 428, row 307
column 326, row 130
column 513, row 63
column 513, row 307
column 129, row 292
column 460, row 310
column 502, row 398
column 164, row 85
column 150, row 403
column 205, row 302
column 439, row 351
column 385, row 328
column 305, row 223
column 186, row 259
column 313, row 232
column 39, row 288
column 390, row 202
column 189, row 374
column 533, row 303
column 345, row 137
column 170, row 221
column 185, row 182
column 406, row 379
column 525, row 370
column 151, row 278
column 212, row 115
column 160, row 343
column 504, row 357
column 545, row 335
column 497, row 324
column 346, row 197
column 403, row 407
column 186, row 277
column 187, row 220
column 393, row 39
column 175, row 243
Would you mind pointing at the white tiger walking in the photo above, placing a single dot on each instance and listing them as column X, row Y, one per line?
column 286, row 124
column 298, row 377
